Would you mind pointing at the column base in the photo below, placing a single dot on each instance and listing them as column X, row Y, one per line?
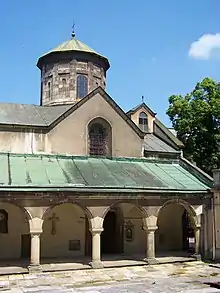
column 197, row 256
column 96, row 264
column 151, row 260
column 33, row 269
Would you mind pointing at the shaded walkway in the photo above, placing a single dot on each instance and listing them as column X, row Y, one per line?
column 8, row 267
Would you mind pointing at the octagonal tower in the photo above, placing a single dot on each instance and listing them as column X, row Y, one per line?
column 70, row 71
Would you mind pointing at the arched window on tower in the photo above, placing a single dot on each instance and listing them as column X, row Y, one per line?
column 100, row 138
column 143, row 122
column 49, row 90
column 82, row 86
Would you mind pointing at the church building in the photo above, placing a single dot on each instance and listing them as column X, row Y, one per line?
column 81, row 178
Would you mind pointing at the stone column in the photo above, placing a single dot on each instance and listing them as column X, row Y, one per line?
column 35, row 252
column 96, row 248
column 35, row 249
column 150, row 257
column 35, row 231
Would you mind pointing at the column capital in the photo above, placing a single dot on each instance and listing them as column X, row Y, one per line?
column 96, row 230
column 35, row 233
column 150, row 229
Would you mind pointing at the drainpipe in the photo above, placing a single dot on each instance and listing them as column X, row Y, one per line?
column 216, row 187
column 213, row 231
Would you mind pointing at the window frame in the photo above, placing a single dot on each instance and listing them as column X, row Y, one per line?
column 81, row 86
column 99, row 138
column 143, row 121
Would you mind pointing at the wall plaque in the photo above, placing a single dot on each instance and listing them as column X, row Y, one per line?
column 74, row 245
column 129, row 227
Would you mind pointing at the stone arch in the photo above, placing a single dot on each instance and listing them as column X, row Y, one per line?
column 65, row 228
column 27, row 212
column 139, row 207
column 88, row 213
column 15, row 240
column 187, row 207
column 176, row 222
column 99, row 137
column 123, row 229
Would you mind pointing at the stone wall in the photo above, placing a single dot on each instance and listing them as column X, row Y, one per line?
column 59, row 80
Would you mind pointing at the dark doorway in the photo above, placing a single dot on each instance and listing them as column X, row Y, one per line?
column 110, row 237
column 25, row 246
column 187, row 232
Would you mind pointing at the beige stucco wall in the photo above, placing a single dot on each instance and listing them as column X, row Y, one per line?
column 10, row 243
column 138, row 245
column 169, row 233
column 70, row 135
column 135, row 118
column 70, row 225
column 26, row 141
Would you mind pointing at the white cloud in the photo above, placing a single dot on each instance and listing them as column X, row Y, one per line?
column 205, row 46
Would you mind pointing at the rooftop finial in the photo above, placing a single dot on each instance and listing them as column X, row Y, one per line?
column 73, row 30
column 142, row 99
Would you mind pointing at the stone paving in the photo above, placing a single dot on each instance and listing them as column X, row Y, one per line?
column 184, row 277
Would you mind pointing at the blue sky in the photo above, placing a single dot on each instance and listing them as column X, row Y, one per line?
column 148, row 44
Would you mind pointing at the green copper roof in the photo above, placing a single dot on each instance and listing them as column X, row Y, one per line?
column 74, row 45
column 20, row 171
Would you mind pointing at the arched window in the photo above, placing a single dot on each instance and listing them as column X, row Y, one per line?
column 49, row 90
column 3, row 221
column 143, row 122
column 100, row 138
column 63, row 86
column 82, row 86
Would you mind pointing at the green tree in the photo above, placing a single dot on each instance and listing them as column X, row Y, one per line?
column 196, row 119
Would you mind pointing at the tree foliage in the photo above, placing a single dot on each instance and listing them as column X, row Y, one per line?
column 196, row 119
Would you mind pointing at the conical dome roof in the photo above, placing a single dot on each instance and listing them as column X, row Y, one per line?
column 73, row 45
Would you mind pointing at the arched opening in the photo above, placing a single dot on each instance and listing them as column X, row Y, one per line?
column 49, row 90
column 82, row 86
column 176, row 230
column 15, row 240
column 123, row 231
column 143, row 122
column 99, row 138
column 64, row 232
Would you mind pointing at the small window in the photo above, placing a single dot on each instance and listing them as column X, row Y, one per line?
column 49, row 90
column 82, row 86
column 143, row 122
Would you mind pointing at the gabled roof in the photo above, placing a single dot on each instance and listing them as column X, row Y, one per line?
column 138, row 107
column 163, row 128
column 85, row 174
column 49, row 116
column 154, row 144
column 29, row 115
column 168, row 133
